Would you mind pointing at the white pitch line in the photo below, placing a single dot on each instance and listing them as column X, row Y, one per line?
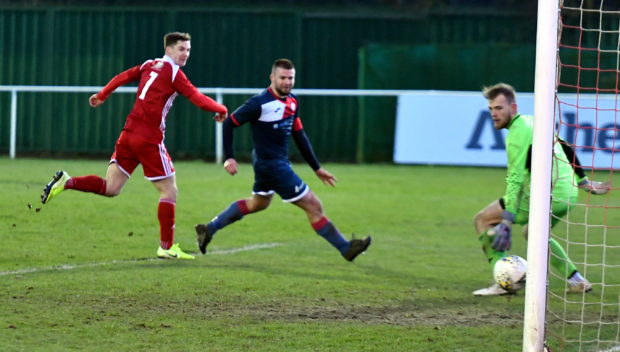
column 613, row 349
column 245, row 248
column 87, row 265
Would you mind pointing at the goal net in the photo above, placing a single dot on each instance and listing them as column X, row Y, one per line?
column 587, row 117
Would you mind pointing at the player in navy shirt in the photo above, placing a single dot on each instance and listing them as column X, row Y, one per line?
column 273, row 117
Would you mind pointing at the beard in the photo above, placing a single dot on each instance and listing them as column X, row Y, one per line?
column 283, row 91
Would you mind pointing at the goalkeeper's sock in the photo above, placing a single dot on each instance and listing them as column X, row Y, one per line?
column 492, row 255
column 328, row 231
column 575, row 278
column 231, row 214
column 90, row 184
column 560, row 260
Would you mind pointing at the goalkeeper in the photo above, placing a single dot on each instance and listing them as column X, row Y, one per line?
column 494, row 222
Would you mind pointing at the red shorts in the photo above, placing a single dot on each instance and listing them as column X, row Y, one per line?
column 132, row 149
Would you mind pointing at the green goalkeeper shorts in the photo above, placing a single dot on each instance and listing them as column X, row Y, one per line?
column 559, row 208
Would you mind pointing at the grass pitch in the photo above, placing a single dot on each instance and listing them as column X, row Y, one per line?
column 80, row 274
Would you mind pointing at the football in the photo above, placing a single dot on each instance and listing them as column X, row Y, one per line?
column 509, row 273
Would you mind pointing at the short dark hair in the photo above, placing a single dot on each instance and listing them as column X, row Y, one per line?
column 171, row 39
column 282, row 63
column 500, row 88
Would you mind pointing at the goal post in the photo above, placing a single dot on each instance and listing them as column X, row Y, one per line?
column 577, row 100
column 540, row 200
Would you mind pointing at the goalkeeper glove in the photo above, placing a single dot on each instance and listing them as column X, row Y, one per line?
column 594, row 187
column 503, row 232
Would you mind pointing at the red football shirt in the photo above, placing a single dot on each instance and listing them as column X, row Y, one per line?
column 161, row 80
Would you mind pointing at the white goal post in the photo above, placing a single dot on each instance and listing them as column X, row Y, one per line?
column 540, row 200
column 575, row 306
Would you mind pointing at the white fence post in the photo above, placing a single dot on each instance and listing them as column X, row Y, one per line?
column 13, row 138
column 219, row 153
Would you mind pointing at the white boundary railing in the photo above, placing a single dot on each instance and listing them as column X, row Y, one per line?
column 219, row 97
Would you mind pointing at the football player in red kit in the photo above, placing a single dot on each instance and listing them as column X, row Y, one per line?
column 142, row 138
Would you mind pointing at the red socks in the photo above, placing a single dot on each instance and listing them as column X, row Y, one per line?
column 90, row 183
column 165, row 214
column 165, row 210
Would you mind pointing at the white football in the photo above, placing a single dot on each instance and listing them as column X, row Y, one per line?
column 509, row 273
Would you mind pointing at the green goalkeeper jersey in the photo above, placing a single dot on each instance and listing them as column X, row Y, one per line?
column 518, row 148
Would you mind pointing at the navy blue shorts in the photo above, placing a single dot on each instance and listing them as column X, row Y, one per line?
column 277, row 176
